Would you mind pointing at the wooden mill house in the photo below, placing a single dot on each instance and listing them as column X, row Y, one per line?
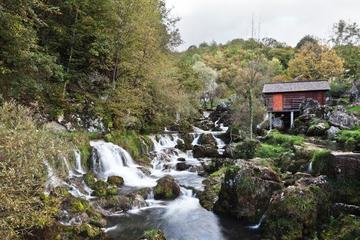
column 283, row 99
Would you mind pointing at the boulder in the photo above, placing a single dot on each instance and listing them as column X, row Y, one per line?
column 246, row 191
column 310, row 106
column 297, row 211
column 222, row 114
column 203, row 151
column 318, row 127
column 212, row 186
column 185, row 143
column 332, row 132
column 242, row 150
column 116, row 181
column 206, row 124
column 166, row 189
column 55, row 127
column 182, row 166
column 341, row 119
column 207, row 139
column 355, row 93
column 343, row 167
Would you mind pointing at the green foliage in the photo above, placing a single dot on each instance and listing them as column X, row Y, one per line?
column 354, row 109
column 245, row 149
column 275, row 137
column 345, row 227
column 23, row 150
column 346, row 191
column 90, row 179
column 348, row 138
column 154, row 234
column 339, row 88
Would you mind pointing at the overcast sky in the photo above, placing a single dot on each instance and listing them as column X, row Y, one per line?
column 285, row 20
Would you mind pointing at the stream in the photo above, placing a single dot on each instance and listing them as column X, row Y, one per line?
column 180, row 219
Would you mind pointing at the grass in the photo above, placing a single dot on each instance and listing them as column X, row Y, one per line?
column 275, row 137
column 353, row 109
column 270, row 151
column 348, row 138
column 320, row 161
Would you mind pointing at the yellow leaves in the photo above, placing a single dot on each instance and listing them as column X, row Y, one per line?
column 316, row 62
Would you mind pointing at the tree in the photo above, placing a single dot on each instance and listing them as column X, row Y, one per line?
column 308, row 39
column 250, row 77
column 316, row 62
column 346, row 34
column 208, row 77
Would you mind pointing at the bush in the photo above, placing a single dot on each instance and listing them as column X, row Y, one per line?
column 23, row 150
column 344, row 227
column 339, row 88
column 245, row 149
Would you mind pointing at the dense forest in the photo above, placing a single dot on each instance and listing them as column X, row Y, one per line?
column 73, row 72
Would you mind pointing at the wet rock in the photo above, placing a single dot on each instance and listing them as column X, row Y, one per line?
column 166, row 189
column 207, row 139
column 341, row 119
column 212, row 186
column 116, row 181
column 297, row 211
column 242, row 150
column 246, row 191
column 115, row 203
column 182, row 166
column 144, row 192
column 203, row 151
column 222, row 114
column 181, row 160
column 206, row 125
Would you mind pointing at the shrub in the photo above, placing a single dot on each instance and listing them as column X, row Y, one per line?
column 339, row 88
column 348, row 139
column 23, row 150
column 245, row 149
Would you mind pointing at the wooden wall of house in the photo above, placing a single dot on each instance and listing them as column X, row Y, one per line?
column 286, row 102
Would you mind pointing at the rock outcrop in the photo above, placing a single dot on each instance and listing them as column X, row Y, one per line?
column 246, row 191
column 166, row 189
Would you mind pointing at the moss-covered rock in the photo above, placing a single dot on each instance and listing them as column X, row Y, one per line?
column 203, row 151
column 297, row 211
column 90, row 179
column 154, row 234
column 318, row 127
column 246, row 191
column 321, row 162
column 100, row 188
column 212, row 186
column 166, row 189
column 242, row 150
column 207, row 139
column 116, row 181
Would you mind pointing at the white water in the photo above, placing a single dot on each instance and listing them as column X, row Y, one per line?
column 112, row 160
column 310, row 167
column 78, row 166
column 257, row 226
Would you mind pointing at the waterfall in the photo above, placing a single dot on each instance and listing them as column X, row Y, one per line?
column 111, row 160
column 310, row 167
column 257, row 226
column 78, row 166
column 52, row 180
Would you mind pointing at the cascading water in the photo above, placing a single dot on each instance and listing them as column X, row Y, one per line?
column 78, row 167
column 112, row 160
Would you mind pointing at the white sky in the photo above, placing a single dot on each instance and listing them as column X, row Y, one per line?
column 285, row 20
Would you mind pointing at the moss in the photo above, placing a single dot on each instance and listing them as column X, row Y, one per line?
column 245, row 149
column 345, row 227
column 275, row 137
column 116, row 180
column 100, row 188
column 112, row 191
column 89, row 231
column 89, row 179
column 78, row 205
column 137, row 145
column 154, row 234
column 320, row 161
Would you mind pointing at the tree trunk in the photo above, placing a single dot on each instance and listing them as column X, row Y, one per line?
column 251, row 112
